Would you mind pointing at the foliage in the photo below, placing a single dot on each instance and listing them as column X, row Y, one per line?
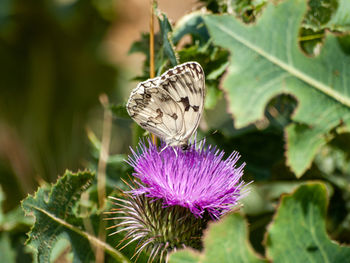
column 57, row 217
column 300, row 239
column 277, row 77
column 51, row 75
column 318, row 84
column 12, row 223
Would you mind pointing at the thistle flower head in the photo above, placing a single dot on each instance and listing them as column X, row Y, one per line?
column 177, row 193
column 198, row 179
column 157, row 229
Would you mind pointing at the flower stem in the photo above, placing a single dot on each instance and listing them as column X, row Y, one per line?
column 101, row 175
column 151, row 51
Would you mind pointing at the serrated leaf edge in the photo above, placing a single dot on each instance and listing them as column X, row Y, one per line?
column 92, row 239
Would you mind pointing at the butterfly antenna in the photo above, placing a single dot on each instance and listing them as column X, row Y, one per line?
column 205, row 137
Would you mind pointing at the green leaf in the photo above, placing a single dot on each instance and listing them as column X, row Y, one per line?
column 298, row 231
column 166, row 30
column 329, row 14
column 266, row 63
column 192, row 24
column 55, row 217
column 224, row 241
column 340, row 20
column 319, row 13
column 185, row 256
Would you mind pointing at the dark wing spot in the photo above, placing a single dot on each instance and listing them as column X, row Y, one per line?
column 186, row 103
column 174, row 116
column 170, row 73
column 139, row 101
column 165, row 87
column 148, row 96
column 165, row 98
column 195, row 108
column 160, row 113
column 141, row 106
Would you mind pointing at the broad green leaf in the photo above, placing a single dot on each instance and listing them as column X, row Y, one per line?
column 268, row 62
column 185, row 256
column 192, row 24
column 224, row 241
column 53, row 209
column 298, row 231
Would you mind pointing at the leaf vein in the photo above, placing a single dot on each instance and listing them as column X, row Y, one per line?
column 292, row 70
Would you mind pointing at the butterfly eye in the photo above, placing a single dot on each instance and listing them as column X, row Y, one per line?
column 184, row 147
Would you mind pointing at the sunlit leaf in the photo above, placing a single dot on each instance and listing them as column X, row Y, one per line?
column 266, row 63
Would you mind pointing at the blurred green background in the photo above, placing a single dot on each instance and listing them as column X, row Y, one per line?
column 52, row 72
column 57, row 58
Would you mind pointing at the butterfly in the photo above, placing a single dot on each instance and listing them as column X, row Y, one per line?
column 170, row 106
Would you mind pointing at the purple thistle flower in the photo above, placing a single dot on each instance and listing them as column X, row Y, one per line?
column 198, row 178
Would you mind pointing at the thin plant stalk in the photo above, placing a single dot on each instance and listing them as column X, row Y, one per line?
column 151, row 51
column 101, row 172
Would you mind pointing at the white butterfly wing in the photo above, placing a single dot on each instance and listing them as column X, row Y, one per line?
column 170, row 106
column 186, row 85
column 154, row 110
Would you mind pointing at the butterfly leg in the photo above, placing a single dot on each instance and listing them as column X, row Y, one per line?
column 166, row 146
column 175, row 151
